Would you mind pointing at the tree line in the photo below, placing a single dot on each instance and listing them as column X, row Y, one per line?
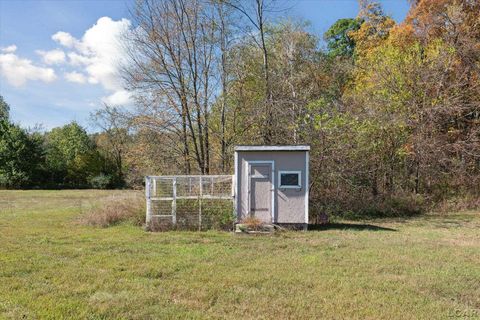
column 391, row 110
column 64, row 157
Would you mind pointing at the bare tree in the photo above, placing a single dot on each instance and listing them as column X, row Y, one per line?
column 171, row 70
column 116, row 131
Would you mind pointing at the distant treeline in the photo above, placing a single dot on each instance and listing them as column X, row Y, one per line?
column 65, row 157
column 391, row 111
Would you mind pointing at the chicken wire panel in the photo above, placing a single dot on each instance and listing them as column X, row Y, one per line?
column 217, row 214
column 204, row 214
column 191, row 202
column 161, row 187
column 217, row 187
column 188, row 186
column 161, row 208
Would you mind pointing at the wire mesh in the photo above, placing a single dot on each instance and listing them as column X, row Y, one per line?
column 189, row 202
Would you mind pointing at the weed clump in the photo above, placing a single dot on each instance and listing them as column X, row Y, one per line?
column 114, row 210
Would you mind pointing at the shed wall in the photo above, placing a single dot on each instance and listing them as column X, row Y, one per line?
column 289, row 203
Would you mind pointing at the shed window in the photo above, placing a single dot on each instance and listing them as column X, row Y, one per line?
column 289, row 179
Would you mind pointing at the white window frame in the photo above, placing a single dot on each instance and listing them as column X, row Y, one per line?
column 280, row 172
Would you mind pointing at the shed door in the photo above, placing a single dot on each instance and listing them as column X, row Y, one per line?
column 260, row 176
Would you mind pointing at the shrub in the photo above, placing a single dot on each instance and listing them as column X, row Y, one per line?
column 100, row 181
column 399, row 206
column 457, row 203
column 218, row 214
column 116, row 209
column 368, row 207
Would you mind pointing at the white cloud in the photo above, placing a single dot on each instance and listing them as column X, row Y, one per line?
column 65, row 39
column 9, row 49
column 92, row 80
column 119, row 98
column 18, row 71
column 75, row 77
column 56, row 56
column 101, row 54
column 77, row 60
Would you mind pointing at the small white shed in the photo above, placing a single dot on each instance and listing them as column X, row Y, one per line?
column 272, row 184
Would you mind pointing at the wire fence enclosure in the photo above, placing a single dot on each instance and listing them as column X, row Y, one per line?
column 193, row 202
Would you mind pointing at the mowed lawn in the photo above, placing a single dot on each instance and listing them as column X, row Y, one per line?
column 51, row 267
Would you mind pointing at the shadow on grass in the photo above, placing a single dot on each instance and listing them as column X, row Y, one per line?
column 347, row 226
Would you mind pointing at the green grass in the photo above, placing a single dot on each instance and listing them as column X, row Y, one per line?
column 51, row 267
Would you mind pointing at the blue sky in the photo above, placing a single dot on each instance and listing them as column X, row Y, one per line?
column 52, row 81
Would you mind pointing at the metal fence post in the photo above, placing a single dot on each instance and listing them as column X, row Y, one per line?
column 174, row 202
column 234, row 197
column 211, row 186
column 200, row 205
column 154, row 187
column 148, row 218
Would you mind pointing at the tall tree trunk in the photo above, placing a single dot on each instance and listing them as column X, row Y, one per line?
column 417, row 177
column 207, row 146
column 186, row 152
column 223, row 49
column 374, row 182
column 268, row 128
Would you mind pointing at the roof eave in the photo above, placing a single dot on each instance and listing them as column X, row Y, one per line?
column 273, row 148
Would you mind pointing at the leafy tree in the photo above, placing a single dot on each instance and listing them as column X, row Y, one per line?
column 375, row 27
column 339, row 39
column 414, row 88
column 4, row 109
column 20, row 156
column 70, row 155
column 295, row 67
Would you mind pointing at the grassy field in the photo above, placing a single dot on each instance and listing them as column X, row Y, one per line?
column 51, row 267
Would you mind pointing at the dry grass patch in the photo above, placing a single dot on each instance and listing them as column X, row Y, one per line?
column 113, row 210
column 253, row 223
